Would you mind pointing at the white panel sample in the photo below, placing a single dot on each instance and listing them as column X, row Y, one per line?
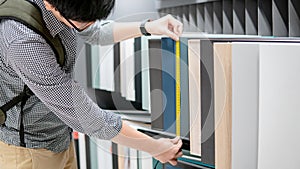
column 106, row 54
column 245, row 71
column 279, row 108
column 133, row 155
column 145, row 160
column 130, row 70
column 104, row 154
column 95, row 67
column 127, row 69
column 145, row 73
column 82, row 151
column 122, row 68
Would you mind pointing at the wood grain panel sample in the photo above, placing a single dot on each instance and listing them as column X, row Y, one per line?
column 194, row 96
column 223, row 102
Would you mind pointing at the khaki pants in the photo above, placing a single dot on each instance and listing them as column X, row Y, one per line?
column 14, row 157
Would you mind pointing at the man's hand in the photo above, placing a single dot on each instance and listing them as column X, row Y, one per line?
column 163, row 149
column 166, row 25
column 168, row 150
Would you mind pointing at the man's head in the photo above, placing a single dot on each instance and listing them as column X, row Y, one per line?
column 80, row 13
column 83, row 10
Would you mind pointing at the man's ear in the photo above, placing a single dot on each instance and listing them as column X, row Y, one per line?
column 48, row 6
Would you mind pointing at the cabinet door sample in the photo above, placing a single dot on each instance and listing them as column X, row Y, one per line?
column 245, row 70
column 223, row 102
column 194, row 96
column 279, row 107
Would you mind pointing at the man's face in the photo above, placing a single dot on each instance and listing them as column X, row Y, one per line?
column 79, row 26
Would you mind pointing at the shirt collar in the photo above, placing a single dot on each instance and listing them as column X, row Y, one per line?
column 52, row 23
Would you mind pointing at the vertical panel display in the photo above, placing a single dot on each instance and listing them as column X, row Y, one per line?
column 207, row 103
column 251, row 19
column 227, row 17
column 238, row 17
column 278, row 106
column 200, row 17
column 208, row 17
column 223, row 104
column 217, row 17
column 294, row 18
column 265, row 17
column 193, row 17
column 194, row 96
column 280, row 18
column 156, row 96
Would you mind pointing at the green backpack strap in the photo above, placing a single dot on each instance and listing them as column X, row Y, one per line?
column 30, row 15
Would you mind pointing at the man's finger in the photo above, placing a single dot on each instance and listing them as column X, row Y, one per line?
column 173, row 162
column 172, row 35
column 179, row 154
column 175, row 140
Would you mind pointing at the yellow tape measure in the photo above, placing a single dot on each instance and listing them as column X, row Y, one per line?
column 177, row 53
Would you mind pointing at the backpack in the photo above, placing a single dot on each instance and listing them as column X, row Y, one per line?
column 30, row 15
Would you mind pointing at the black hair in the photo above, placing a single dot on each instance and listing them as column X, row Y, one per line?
column 83, row 10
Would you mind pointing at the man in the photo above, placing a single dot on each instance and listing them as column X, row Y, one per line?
column 60, row 104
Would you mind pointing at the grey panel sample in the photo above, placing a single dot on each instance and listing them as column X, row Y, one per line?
column 208, row 17
column 184, row 89
column 239, row 17
column 186, row 18
column 207, row 102
column 227, row 17
column 193, row 18
column 245, row 70
column 294, row 18
column 265, row 17
column 161, row 12
column 117, row 68
column 114, row 150
column 89, row 63
column 251, row 21
column 174, row 13
column 280, row 18
column 138, row 70
column 200, row 17
column 217, row 17
column 179, row 13
column 164, row 12
column 156, row 96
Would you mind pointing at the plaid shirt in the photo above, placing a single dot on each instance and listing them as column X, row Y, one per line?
column 59, row 103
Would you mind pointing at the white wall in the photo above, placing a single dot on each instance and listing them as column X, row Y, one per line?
column 134, row 10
